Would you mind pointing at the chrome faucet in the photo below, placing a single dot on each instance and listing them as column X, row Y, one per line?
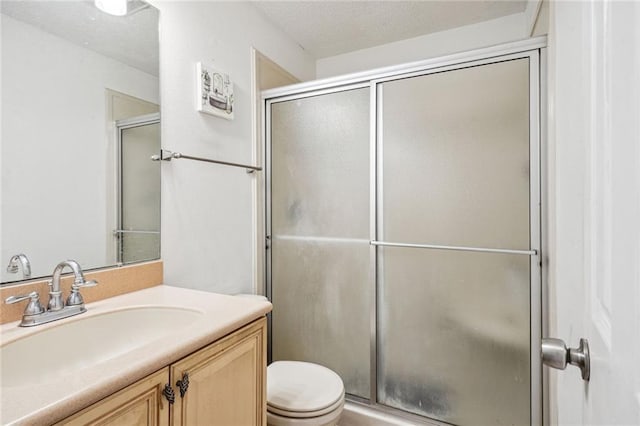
column 18, row 260
column 55, row 294
column 35, row 314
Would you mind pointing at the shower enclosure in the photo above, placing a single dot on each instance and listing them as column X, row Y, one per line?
column 403, row 234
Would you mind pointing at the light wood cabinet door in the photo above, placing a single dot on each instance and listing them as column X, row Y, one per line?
column 140, row 404
column 227, row 381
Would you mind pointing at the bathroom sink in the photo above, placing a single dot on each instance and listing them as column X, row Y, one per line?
column 67, row 348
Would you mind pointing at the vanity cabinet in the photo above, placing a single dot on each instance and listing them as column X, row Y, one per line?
column 140, row 404
column 226, row 382
column 226, row 387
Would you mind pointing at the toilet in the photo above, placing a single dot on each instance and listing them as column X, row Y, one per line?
column 302, row 393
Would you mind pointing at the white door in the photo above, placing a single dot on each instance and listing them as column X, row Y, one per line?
column 594, row 200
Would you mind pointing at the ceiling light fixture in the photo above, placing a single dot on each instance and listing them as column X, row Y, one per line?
column 112, row 7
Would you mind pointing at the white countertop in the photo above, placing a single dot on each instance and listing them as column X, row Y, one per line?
column 51, row 402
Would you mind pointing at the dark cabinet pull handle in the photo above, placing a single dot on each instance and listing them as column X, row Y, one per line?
column 183, row 384
column 169, row 393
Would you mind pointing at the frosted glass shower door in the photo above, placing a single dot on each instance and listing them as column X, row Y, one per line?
column 454, row 325
column 321, row 286
column 139, row 234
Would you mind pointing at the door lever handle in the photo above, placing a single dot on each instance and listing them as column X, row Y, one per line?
column 556, row 355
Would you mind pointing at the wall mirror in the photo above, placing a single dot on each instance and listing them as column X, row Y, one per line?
column 80, row 120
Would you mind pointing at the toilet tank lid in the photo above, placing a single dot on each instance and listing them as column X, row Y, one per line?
column 302, row 386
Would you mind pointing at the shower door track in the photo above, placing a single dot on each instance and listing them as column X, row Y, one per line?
column 535, row 50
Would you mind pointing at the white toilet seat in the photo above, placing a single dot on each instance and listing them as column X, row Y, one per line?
column 303, row 394
column 302, row 387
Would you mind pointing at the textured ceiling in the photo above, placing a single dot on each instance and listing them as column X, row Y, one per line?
column 323, row 28
column 328, row 28
column 131, row 39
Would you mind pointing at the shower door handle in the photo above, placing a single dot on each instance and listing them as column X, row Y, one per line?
column 555, row 354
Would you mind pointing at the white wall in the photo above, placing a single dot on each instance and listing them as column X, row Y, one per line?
column 488, row 33
column 207, row 209
column 54, row 147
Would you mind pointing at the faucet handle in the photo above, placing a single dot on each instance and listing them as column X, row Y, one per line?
column 19, row 298
column 34, row 307
column 75, row 298
column 90, row 283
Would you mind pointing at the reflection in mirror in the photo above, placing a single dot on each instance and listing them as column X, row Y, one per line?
column 80, row 119
column 138, row 236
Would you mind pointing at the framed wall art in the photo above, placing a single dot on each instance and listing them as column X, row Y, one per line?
column 215, row 92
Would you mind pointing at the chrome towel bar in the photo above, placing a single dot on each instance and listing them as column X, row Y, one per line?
column 456, row 248
column 166, row 155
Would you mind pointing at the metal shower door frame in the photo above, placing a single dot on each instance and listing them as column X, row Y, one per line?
column 533, row 49
column 121, row 126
